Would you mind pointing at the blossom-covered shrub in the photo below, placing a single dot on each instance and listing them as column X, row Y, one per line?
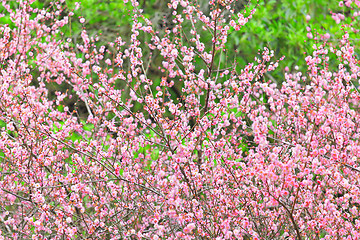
column 229, row 155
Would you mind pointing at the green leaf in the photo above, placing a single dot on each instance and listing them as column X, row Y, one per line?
column 155, row 154
column 2, row 124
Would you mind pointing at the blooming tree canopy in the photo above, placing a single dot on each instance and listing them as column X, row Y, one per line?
column 208, row 150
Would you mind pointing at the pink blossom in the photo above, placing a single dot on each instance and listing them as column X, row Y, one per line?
column 189, row 228
column 327, row 36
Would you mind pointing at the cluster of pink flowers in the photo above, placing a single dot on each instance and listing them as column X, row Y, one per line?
column 206, row 151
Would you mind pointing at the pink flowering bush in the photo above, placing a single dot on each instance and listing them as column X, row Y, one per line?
column 229, row 156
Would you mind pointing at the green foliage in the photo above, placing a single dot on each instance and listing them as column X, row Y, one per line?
column 107, row 17
column 2, row 124
column 111, row 11
column 281, row 25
